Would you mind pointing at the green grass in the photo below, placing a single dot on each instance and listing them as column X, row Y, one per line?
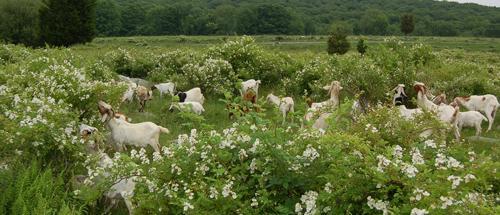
column 217, row 117
column 289, row 44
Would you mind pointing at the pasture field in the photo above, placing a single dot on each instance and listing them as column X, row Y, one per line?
column 291, row 44
column 369, row 163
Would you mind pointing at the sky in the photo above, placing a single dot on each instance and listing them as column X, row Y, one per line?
column 482, row 2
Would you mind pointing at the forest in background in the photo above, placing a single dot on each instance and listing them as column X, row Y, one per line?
column 292, row 17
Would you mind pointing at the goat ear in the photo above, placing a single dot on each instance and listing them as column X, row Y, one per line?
column 326, row 87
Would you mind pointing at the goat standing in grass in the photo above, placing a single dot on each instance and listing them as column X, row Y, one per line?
column 444, row 112
column 487, row 104
column 125, row 133
column 143, row 95
column 192, row 95
column 194, row 107
column 470, row 119
column 165, row 88
column 285, row 104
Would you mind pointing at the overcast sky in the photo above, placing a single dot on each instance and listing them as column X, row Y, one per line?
column 483, row 2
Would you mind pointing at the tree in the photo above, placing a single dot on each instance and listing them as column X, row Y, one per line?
column 337, row 43
column 133, row 19
column 374, row 22
column 361, row 46
column 273, row 19
column 67, row 22
column 108, row 18
column 19, row 21
column 164, row 21
column 407, row 24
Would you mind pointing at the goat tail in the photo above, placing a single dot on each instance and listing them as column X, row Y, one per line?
column 164, row 130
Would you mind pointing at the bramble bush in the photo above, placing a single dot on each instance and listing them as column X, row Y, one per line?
column 380, row 164
column 375, row 164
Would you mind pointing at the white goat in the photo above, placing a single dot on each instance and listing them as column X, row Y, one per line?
column 444, row 112
column 471, row 119
column 399, row 99
column 143, row 95
column 194, row 107
column 165, row 88
column 321, row 123
column 487, row 104
column 129, row 94
column 125, row 133
column 333, row 102
column 285, row 105
column 122, row 188
column 192, row 95
column 250, row 84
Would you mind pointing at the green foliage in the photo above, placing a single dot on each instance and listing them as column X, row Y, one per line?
column 337, row 43
column 374, row 22
column 407, row 23
column 20, row 22
column 108, row 18
column 67, row 22
column 298, row 17
column 361, row 46
column 32, row 190
column 131, row 65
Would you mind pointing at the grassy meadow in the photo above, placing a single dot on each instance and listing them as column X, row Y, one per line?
column 252, row 164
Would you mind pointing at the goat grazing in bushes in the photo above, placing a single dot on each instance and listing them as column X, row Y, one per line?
column 487, row 104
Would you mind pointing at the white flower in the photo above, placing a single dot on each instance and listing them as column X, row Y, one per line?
column 410, row 170
column 213, row 193
column 398, row 152
column 416, row 157
column 419, row 194
column 416, row 211
column 309, row 200
column 226, row 190
column 157, row 157
column 76, row 192
column 254, row 203
column 328, row 187
column 455, row 181
column 327, row 209
column 472, row 156
column 430, row 144
column 382, row 163
column 447, row 201
column 378, row 205
column 310, row 153
column 298, row 208
column 453, row 163
column 243, row 154
column 253, row 166
column 188, row 206
column 469, row 177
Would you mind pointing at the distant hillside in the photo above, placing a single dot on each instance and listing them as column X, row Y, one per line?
column 227, row 17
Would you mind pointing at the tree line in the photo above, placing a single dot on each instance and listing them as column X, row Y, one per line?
column 65, row 22
column 229, row 17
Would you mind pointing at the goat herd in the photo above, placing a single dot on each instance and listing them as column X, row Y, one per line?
column 142, row 134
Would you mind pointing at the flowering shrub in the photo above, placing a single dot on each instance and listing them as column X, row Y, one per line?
column 212, row 76
column 43, row 101
column 125, row 63
column 252, row 169
column 170, row 64
column 251, row 61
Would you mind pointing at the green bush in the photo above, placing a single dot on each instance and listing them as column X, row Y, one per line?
column 337, row 43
